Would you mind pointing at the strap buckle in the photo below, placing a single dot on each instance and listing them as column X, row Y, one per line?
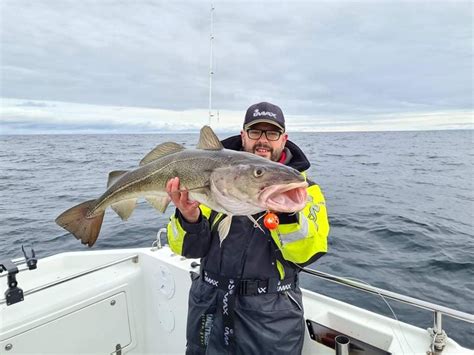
column 248, row 287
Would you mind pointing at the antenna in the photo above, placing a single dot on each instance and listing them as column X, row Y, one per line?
column 210, row 65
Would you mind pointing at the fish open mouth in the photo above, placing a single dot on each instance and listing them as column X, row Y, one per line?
column 284, row 198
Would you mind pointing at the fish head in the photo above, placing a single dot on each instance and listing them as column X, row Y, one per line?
column 245, row 189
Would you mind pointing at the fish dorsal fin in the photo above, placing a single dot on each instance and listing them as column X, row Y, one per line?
column 208, row 140
column 161, row 150
column 114, row 176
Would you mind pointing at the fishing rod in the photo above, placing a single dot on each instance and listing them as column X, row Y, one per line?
column 211, row 72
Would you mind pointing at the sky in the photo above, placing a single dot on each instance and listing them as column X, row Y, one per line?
column 89, row 66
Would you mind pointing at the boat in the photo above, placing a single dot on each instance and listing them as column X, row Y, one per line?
column 134, row 301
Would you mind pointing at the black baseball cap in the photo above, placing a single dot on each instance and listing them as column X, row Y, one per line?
column 264, row 112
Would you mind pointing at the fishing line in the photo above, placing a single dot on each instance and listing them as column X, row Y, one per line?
column 385, row 301
column 393, row 313
column 255, row 222
column 62, row 236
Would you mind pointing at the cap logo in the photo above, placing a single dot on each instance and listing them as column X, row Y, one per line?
column 264, row 113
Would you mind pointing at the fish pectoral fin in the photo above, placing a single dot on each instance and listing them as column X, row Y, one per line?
column 125, row 208
column 114, row 176
column 224, row 227
column 161, row 150
column 208, row 140
column 160, row 203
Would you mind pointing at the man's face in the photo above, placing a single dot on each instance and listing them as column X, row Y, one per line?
column 263, row 146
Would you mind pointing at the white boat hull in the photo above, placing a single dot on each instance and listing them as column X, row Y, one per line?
column 140, row 306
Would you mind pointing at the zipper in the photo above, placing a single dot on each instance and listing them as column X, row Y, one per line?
column 294, row 301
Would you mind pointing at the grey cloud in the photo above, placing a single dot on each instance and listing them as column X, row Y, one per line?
column 21, row 125
column 361, row 57
column 324, row 57
column 33, row 104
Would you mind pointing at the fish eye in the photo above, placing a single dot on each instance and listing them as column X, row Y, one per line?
column 258, row 172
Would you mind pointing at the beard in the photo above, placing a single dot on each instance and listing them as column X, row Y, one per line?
column 274, row 154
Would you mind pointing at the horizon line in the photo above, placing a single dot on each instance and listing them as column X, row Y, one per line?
column 226, row 132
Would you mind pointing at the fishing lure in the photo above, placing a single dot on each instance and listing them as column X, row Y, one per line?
column 271, row 220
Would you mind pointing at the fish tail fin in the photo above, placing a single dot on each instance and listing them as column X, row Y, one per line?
column 84, row 228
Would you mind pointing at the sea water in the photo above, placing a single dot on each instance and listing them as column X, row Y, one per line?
column 400, row 205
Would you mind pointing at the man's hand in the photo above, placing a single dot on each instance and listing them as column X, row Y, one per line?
column 189, row 209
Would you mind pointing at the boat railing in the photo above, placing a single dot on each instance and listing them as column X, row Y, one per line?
column 438, row 334
column 19, row 261
column 392, row 295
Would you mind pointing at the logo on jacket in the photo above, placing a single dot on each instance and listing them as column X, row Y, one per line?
column 206, row 326
column 284, row 287
column 225, row 301
column 228, row 332
column 210, row 280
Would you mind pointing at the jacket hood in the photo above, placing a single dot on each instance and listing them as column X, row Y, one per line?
column 298, row 159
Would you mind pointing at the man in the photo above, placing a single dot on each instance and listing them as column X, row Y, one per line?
column 247, row 298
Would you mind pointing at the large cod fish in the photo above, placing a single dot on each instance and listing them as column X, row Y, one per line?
column 227, row 181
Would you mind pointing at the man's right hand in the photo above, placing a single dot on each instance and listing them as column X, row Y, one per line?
column 189, row 209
